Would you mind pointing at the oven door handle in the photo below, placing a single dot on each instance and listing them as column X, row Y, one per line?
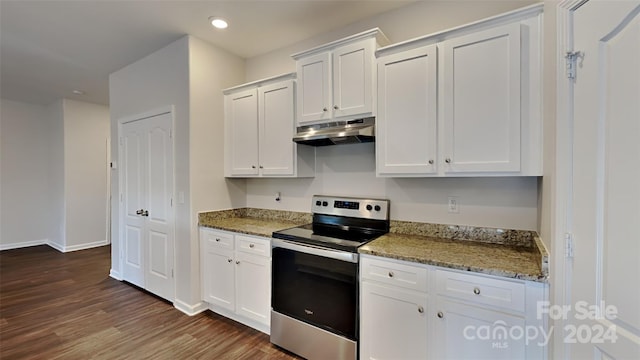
column 313, row 250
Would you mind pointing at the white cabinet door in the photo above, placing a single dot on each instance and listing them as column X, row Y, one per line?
column 276, row 125
column 253, row 287
column 242, row 117
column 352, row 79
column 406, row 138
column 393, row 323
column 218, row 275
column 314, row 88
column 470, row 332
column 482, row 101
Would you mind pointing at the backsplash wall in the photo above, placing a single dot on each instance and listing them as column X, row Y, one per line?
column 349, row 170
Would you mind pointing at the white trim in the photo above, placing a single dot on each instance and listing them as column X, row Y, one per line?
column 144, row 115
column 376, row 33
column 23, row 244
column 561, row 202
column 261, row 82
column 115, row 274
column 85, row 246
column 190, row 310
column 56, row 246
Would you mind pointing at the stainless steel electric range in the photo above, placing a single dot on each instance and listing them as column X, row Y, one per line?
column 314, row 303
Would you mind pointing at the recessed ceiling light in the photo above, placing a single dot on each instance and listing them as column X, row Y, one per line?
column 218, row 22
column 78, row 92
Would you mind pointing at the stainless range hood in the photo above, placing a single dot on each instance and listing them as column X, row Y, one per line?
column 337, row 133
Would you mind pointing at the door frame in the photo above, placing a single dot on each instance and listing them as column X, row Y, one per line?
column 168, row 109
column 562, row 200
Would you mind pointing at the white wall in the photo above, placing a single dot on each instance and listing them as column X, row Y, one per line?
column 210, row 71
column 414, row 20
column 350, row 170
column 24, row 149
column 86, row 130
column 189, row 75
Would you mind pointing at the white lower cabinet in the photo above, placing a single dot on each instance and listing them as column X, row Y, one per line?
column 416, row 311
column 236, row 276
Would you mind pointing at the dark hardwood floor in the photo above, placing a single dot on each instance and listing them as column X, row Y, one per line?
column 65, row 306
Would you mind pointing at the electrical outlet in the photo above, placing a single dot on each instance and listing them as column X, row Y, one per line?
column 453, row 205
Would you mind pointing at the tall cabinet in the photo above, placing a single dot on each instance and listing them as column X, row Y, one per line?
column 463, row 102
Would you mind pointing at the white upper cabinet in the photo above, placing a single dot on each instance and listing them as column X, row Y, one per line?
column 337, row 80
column 259, row 128
column 463, row 102
column 482, row 101
column 406, row 139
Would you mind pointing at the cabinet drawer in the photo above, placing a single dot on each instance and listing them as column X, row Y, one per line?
column 217, row 239
column 253, row 245
column 392, row 273
column 481, row 290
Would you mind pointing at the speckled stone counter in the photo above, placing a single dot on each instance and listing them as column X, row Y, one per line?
column 507, row 253
column 260, row 222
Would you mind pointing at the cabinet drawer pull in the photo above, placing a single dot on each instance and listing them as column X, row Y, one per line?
column 217, row 239
column 237, row 262
column 440, row 314
column 420, row 309
column 390, row 274
column 325, row 109
column 430, row 161
column 229, row 260
column 261, row 167
column 251, row 246
column 447, row 160
column 335, row 107
column 476, row 291
column 253, row 166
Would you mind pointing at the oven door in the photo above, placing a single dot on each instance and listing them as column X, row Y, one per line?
column 316, row 286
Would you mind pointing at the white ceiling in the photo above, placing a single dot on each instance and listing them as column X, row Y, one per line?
column 49, row 48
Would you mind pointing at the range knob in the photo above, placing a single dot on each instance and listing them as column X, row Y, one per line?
column 377, row 208
column 369, row 207
column 324, row 203
column 318, row 202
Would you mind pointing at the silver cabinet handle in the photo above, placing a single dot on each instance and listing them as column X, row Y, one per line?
column 430, row 162
column 390, row 274
column 237, row 262
column 420, row 309
column 229, row 260
column 440, row 314
column 251, row 246
column 447, row 160
column 476, row 291
column 335, row 107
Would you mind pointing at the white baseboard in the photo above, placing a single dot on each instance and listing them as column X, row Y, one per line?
column 56, row 246
column 190, row 310
column 85, row 246
column 24, row 244
column 115, row 274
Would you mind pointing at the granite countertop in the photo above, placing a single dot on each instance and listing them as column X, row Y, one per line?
column 511, row 253
column 252, row 221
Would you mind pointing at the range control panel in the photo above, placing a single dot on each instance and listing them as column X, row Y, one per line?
column 354, row 207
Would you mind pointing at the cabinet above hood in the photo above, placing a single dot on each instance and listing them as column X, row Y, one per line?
column 337, row 133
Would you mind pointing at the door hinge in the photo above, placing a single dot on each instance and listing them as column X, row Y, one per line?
column 571, row 58
column 568, row 245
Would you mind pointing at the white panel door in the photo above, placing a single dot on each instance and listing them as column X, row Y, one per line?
column 133, row 179
column 253, row 287
column 482, row 101
column 276, row 125
column 393, row 323
column 605, row 203
column 407, row 115
column 242, row 113
column 148, row 221
column 159, row 209
column 352, row 79
column 314, row 90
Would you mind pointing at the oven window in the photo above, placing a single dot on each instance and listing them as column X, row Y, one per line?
column 317, row 290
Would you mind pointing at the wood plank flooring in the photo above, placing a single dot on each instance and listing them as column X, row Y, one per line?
column 65, row 306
